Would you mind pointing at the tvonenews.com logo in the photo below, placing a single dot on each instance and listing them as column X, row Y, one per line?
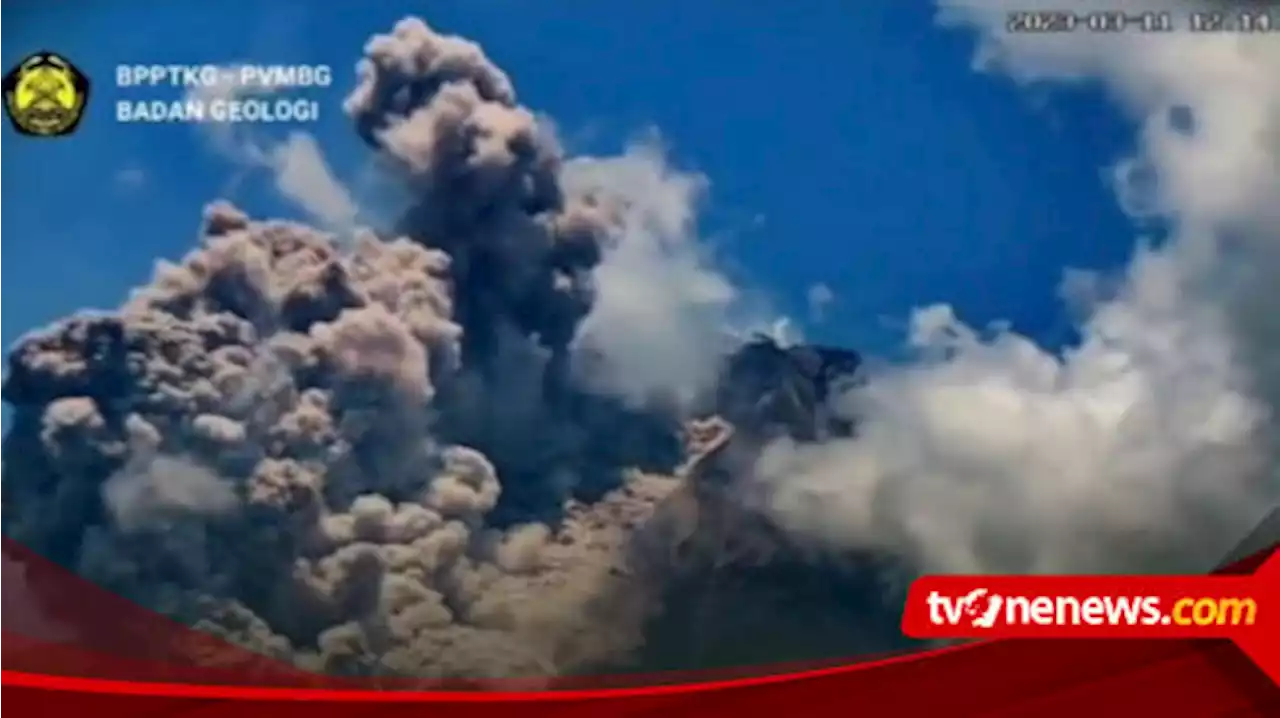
column 981, row 608
column 1092, row 606
column 1239, row 607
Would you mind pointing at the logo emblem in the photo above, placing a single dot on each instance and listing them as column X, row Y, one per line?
column 45, row 95
column 981, row 613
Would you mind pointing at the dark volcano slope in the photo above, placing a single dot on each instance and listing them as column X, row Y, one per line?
column 766, row 389
column 739, row 591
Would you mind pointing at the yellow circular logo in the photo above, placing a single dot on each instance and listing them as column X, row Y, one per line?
column 45, row 95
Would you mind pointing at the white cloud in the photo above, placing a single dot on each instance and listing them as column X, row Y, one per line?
column 303, row 175
column 233, row 139
column 1147, row 447
column 297, row 164
column 664, row 312
column 820, row 297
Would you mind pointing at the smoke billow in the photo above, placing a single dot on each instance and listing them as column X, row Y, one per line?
column 298, row 444
column 1149, row 446
column 663, row 316
column 455, row 449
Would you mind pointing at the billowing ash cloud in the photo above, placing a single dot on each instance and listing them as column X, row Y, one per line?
column 247, row 443
column 485, row 178
column 1150, row 445
column 452, row 450
column 362, row 457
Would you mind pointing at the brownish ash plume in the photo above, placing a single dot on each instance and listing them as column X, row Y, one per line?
column 284, row 441
column 364, row 458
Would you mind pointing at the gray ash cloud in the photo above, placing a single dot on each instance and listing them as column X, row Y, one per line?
column 366, row 458
column 454, row 448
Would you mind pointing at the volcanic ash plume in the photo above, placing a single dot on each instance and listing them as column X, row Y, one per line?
column 349, row 456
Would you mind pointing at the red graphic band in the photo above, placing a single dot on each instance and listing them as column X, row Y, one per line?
column 1244, row 609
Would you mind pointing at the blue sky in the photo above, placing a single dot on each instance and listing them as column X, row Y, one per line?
column 846, row 143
